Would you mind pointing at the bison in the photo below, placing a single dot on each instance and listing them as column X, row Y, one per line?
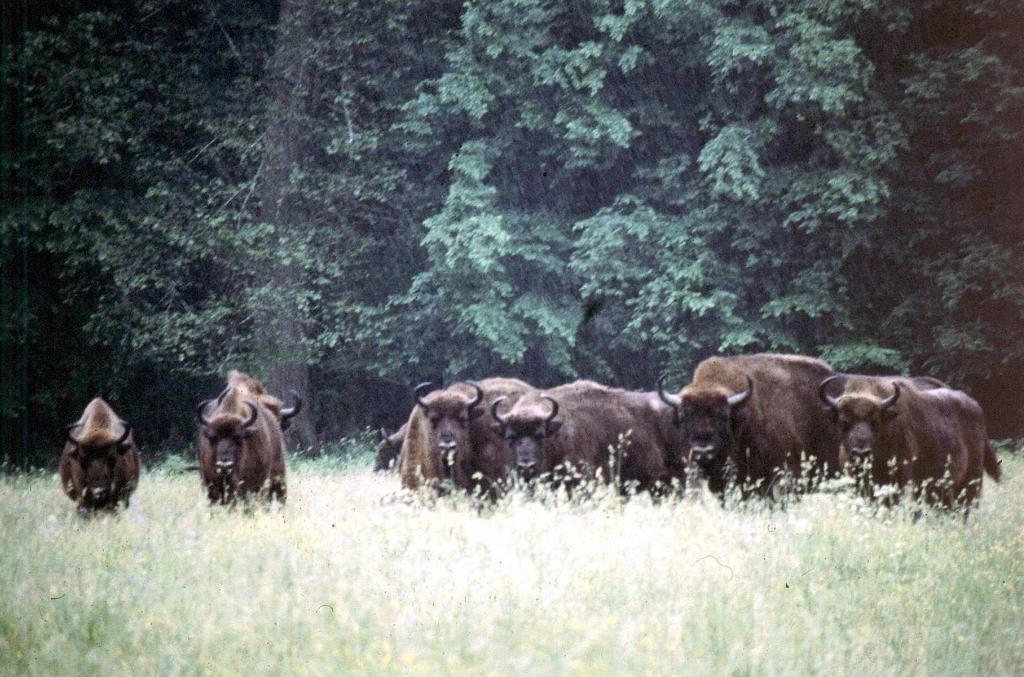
column 573, row 429
column 389, row 449
column 99, row 466
column 449, row 437
column 834, row 385
column 240, row 448
column 284, row 415
column 914, row 434
column 760, row 411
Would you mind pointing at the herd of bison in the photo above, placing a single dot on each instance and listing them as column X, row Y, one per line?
column 744, row 421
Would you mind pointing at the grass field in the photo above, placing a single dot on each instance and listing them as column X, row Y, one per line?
column 346, row 579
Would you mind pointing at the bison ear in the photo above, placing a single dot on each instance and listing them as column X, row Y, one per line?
column 889, row 413
column 553, row 427
column 475, row 413
column 123, row 448
column 498, row 428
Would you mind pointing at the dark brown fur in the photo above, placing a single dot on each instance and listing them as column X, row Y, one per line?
column 918, row 439
column 97, row 472
column 389, row 449
column 257, row 452
column 592, row 420
column 478, row 464
column 781, row 421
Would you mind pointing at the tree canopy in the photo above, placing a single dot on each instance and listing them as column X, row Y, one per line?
column 382, row 193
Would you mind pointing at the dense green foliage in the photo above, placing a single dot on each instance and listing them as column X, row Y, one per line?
column 388, row 192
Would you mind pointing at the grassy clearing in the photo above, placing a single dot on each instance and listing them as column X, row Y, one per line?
column 346, row 580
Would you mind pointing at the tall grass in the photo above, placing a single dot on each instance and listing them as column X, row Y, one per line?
column 351, row 578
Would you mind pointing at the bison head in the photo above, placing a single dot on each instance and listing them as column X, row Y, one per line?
column 448, row 415
column 704, row 416
column 288, row 413
column 526, row 431
column 225, row 434
column 861, row 417
column 94, row 455
column 388, row 449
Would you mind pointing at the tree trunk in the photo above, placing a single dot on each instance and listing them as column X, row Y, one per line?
column 284, row 152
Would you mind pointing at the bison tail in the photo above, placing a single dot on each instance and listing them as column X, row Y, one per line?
column 993, row 466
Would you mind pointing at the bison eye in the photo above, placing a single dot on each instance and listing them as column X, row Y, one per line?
column 844, row 423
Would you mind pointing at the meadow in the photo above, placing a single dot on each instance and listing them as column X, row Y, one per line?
column 351, row 578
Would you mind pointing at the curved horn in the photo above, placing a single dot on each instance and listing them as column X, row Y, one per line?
column 382, row 434
column 479, row 394
column 891, row 400
column 293, row 410
column 554, row 408
column 832, row 402
column 740, row 398
column 127, row 431
column 67, row 431
column 252, row 415
column 494, row 410
column 417, row 393
column 201, row 411
column 667, row 398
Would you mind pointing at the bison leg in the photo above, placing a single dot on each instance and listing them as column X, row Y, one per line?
column 277, row 489
column 214, row 493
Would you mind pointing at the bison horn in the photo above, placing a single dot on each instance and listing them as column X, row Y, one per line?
column 293, row 410
column 252, row 415
column 417, row 393
column 832, row 402
column 127, row 431
column 382, row 434
column 494, row 410
column 479, row 394
column 201, row 411
column 667, row 398
column 68, row 429
column 554, row 408
column 891, row 400
column 740, row 398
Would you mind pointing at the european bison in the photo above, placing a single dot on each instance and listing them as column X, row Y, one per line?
column 914, row 436
column 284, row 415
column 449, row 437
column 574, row 428
column 762, row 411
column 389, row 449
column 240, row 448
column 99, row 466
column 834, row 385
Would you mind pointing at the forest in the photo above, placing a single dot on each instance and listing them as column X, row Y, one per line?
column 348, row 198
